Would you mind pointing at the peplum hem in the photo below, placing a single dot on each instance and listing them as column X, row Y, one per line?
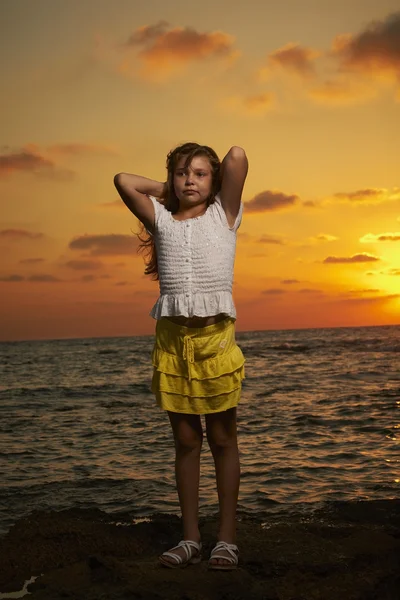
column 195, row 304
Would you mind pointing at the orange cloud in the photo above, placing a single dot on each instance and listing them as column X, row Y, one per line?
column 341, row 92
column 29, row 160
column 324, row 237
column 375, row 50
column 270, row 200
column 387, row 272
column 106, row 245
column 356, row 258
column 148, row 33
column 163, row 50
column 12, row 278
column 367, row 299
column 369, row 195
column 255, row 105
column 259, row 103
column 90, row 278
column 380, row 237
column 44, row 278
column 118, row 204
column 311, row 291
column 18, row 234
column 79, row 149
column 273, row 291
column 38, row 278
column 31, row 261
column 84, row 265
column 293, row 58
column 365, row 291
column 269, row 239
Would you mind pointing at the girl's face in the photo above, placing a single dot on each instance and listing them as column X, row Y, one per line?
column 193, row 184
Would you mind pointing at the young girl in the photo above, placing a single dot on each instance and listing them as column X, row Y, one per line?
column 191, row 222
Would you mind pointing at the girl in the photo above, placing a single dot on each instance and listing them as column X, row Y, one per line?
column 191, row 222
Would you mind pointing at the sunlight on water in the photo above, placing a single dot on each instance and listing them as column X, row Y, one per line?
column 318, row 421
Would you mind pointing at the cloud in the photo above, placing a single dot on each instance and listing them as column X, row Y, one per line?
column 292, row 58
column 80, row 149
column 147, row 33
column 342, row 91
column 375, row 50
column 254, row 105
column 324, row 237
column 114, row 204
column 269, row 239
column 270, row 201
column 273, row 291
column 356, row 258
column 12, row 278
column 44, row 278
column 162, row 50
column 84, row 265
column 19, row 234
column 29, row 160
column 371, row 238
column 90, row 278
column 290, row 281
column 244, row 236
column 369, row 195
column 373, row 54
column 31, row 261
column 311, row 291
column 386, row 272
column 367, row 299
column 365, row 291
column 106, row 245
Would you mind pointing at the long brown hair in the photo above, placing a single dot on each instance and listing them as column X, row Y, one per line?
column 170, row 200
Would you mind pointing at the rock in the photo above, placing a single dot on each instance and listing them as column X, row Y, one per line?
column 348, row 551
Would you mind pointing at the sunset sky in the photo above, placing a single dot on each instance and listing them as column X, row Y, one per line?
column 309, row 88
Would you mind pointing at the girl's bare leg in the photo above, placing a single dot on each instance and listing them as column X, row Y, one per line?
column 188, row 437
column 222, row 438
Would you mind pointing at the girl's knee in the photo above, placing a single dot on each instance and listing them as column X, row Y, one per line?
column 188, row 432
column 221, row 441
column 188, row 441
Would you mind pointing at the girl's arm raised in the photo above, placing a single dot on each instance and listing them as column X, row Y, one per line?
column 133, row 190
column 234, row 169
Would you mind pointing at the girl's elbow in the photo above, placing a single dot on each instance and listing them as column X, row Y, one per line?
column 237, row 152
column 238, row 158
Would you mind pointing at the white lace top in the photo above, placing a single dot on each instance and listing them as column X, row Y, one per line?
column 195, row 262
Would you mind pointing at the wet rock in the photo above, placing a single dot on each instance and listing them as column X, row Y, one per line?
column 348, row 551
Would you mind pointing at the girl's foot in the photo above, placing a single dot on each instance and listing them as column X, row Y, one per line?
column 187, row 552
column 224, row 557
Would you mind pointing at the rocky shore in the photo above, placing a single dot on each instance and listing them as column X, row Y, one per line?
column 346, row 551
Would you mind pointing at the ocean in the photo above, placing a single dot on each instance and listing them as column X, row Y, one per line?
column 319, row 422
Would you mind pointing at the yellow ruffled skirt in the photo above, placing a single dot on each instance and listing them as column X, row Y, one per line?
column 197, row 370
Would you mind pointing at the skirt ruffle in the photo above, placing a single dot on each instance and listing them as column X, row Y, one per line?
column 197, row 371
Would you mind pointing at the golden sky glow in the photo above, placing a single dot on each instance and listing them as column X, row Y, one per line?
column 310, row 89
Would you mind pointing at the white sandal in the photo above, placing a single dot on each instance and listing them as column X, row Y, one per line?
column 232, row 558
column 191, row 557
